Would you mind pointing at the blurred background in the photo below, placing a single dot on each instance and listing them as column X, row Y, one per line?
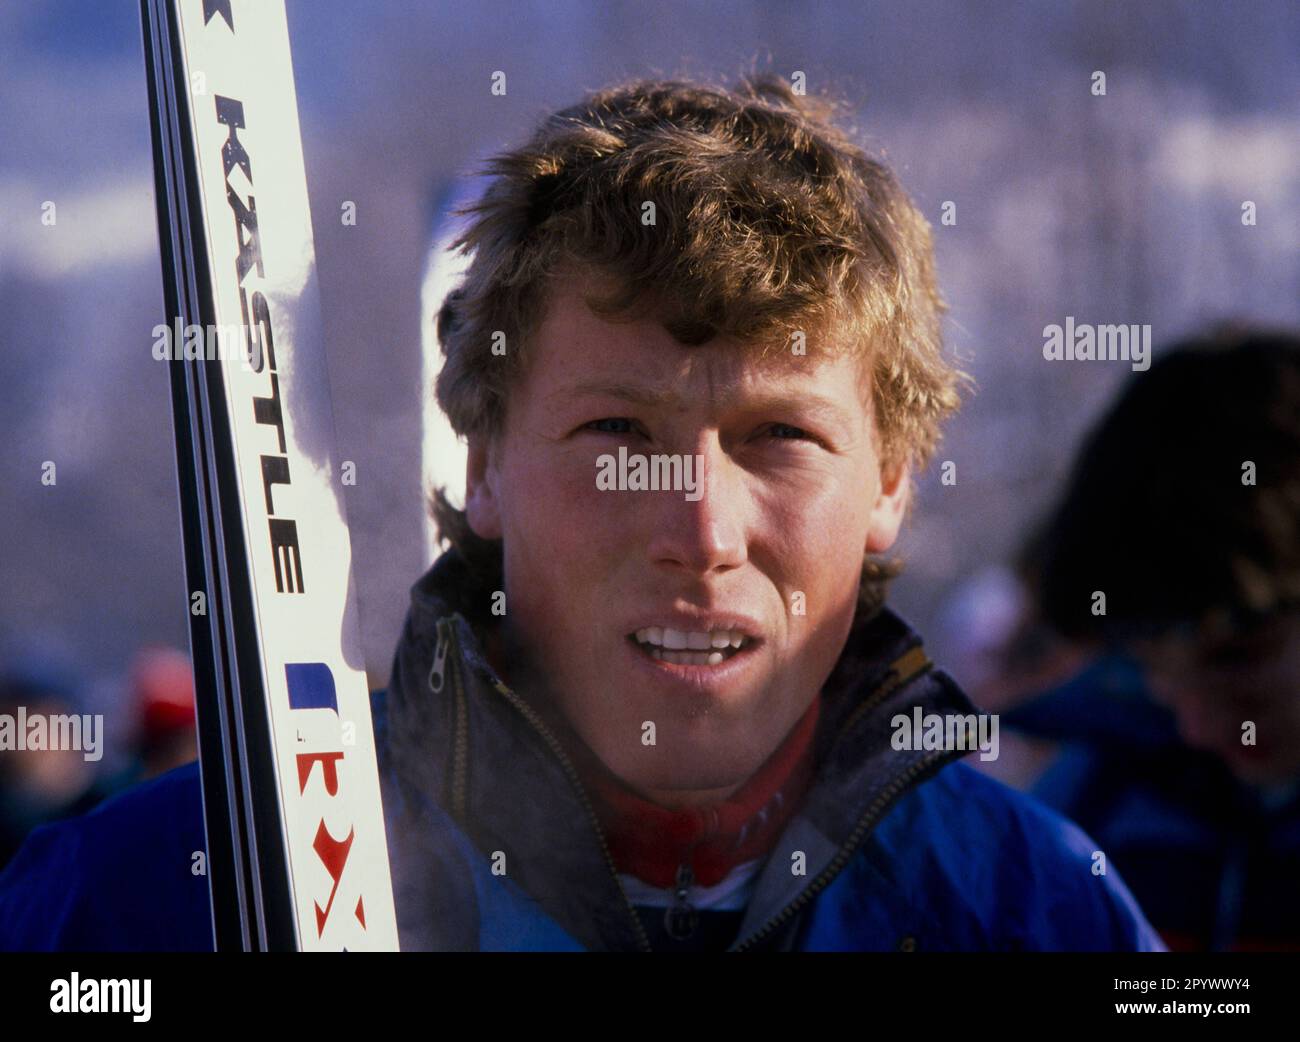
column 1124, row 208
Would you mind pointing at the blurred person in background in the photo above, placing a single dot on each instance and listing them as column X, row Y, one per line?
column 1181, row 735
column 40, row 785
column 162, row 686
column 44, row 785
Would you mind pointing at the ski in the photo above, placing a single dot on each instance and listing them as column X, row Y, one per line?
column 297, row 854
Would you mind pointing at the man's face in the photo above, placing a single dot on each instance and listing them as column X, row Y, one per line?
column 603, row 587
column 1214, row 687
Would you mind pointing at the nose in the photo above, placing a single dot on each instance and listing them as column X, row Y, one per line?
column 707, row 534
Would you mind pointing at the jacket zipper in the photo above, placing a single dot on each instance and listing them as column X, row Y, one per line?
column 460, row 743
column 447, row 634
column 916, row 664
column 860, row 830
column 681, row 917
column 906, row 669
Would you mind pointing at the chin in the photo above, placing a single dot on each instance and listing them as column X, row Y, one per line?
column 684, row 774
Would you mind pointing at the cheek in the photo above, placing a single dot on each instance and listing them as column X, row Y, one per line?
column 544, row 490
column 558, row 526
column 821, row 530
column 551, row 563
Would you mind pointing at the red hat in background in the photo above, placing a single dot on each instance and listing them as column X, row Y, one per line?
column 162, row 681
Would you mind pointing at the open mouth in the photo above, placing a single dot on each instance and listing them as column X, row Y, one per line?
column 690, row 647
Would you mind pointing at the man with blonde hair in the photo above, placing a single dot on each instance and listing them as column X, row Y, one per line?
column 650, row 697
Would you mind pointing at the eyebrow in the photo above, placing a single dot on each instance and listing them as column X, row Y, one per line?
column 668, row 398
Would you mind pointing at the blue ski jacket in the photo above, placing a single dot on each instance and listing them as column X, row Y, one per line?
column 904, row 849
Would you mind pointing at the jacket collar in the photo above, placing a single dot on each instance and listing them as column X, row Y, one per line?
column 459, row 736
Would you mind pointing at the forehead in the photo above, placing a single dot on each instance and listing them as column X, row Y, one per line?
column 575, row 353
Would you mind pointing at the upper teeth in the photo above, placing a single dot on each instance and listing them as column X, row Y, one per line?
column 694, row 640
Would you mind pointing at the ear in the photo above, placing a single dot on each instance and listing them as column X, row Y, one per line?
column 887, row 512
column 482, row 506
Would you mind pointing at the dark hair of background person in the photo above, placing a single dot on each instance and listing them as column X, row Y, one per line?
column 1159, row 513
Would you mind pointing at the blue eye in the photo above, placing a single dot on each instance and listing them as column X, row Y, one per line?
column 799, row 432
column 595, row 425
